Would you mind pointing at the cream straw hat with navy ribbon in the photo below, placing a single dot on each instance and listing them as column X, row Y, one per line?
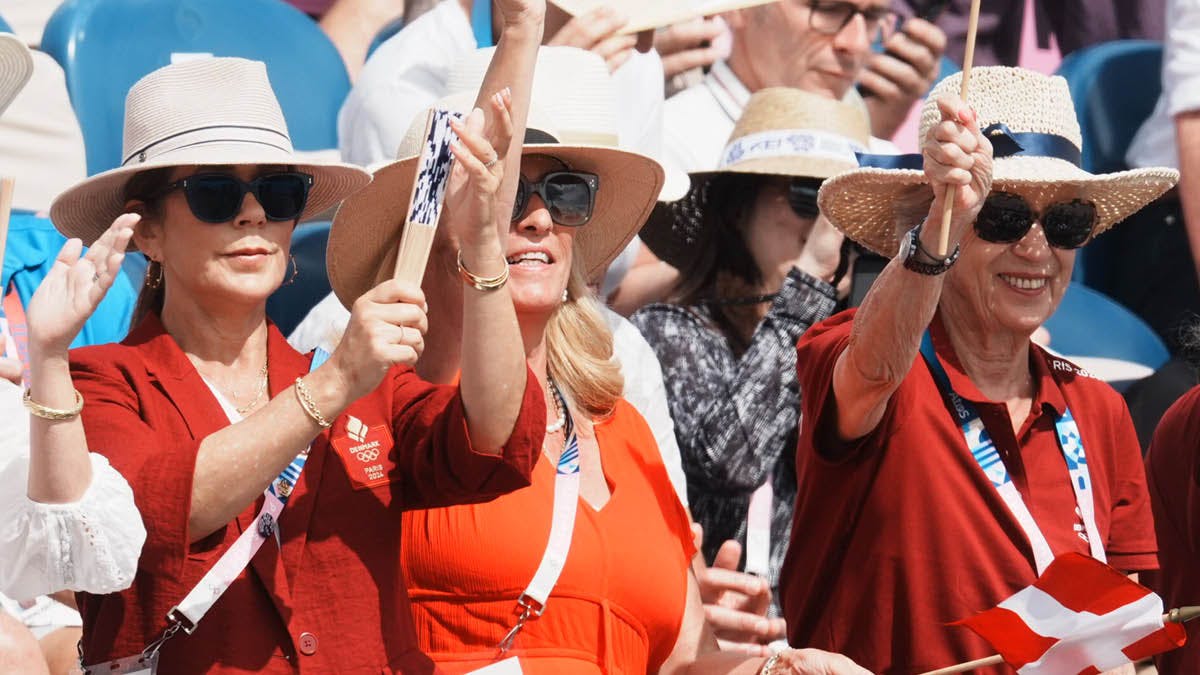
column 16, row 67
column 207, row 112
column 1030, row 120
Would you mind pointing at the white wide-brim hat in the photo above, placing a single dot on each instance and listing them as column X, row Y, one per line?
column 647, row 14
column 206, row 112
column 782, row 132
column 16, row 67
column 365, row 236
column 1030, row 119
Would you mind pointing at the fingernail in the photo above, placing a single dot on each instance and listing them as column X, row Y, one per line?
column 508, row 92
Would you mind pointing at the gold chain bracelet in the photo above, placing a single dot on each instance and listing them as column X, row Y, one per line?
column 768, row 667
column 309, row 405
column 482, row 283
column 53, row 414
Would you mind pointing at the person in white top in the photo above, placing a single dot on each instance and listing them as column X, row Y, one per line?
column 821, row 46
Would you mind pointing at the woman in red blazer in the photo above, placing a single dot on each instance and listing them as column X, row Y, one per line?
column 204, row 404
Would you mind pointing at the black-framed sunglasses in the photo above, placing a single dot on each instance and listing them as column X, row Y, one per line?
column 829, row 17
column 802, row 196
column 570, row 196
column 217, row 197
column 1006, row 218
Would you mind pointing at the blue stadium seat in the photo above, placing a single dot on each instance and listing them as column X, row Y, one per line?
column 104, row 46
column 288, row 306
column 1115, row 86
column 4, row 27
column 1090, row 324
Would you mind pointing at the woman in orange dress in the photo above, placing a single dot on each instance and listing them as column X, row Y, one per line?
column 625, row 601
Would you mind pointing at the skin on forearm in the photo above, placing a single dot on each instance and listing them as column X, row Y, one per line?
column 883, row 343
column 234, row 465
column 1187, row 133
column 60, row 469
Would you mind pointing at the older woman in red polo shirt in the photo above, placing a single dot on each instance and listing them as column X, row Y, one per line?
column 944, row 459
column 232, row 440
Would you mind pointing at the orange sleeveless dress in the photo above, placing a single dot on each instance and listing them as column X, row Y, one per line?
column 616, row 608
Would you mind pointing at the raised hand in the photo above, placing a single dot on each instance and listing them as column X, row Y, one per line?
column 518, row 12
column 73, row 289
column 822, row 250
column 597, row 31
column 689, row 45
column 387, row 327
column 471, row 196
column 736, row 603
column 957, row 154
column 901, row 75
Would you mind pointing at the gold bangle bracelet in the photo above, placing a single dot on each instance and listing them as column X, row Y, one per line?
column 482, row 283
column 768, row 666
column 54, row 414
column 309, row 405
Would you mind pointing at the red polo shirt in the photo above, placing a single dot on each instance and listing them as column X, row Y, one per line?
column 905, row 534
column 1173, row 473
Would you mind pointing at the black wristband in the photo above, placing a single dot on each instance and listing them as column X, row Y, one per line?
column 914, row 248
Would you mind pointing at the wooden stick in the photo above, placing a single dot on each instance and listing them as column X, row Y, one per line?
column 6, row 197
column 1177, row 615
column 952, row 191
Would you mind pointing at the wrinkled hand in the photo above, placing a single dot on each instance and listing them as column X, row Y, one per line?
column 471, row 195
column 902, row 74
column 688, row 45
column 10, row 369
column 73, row 289
column 822, row 250
column 597, row 31
column 387, row 327
column 957, row 154
column 815, row 662
column 736, row 603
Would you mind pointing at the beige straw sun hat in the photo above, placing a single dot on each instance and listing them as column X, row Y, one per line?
column 206, row 112
column 782, row 132
column 647, row 14
column 1037, row 156
column 567, row 121
column 16, row 67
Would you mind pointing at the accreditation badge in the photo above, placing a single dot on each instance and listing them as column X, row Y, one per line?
column 509, row 666
column 138, row 664
column 366, row 452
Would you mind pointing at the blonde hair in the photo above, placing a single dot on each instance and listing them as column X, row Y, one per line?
column 579, row 351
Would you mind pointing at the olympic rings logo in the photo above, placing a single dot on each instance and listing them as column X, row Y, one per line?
column 368, row 455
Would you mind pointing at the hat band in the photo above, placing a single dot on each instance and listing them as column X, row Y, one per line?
column 1005, row 143
column 811, row 143
column 219, row 134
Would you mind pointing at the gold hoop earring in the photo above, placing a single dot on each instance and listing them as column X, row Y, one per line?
column 295, row 271
column 154, row 275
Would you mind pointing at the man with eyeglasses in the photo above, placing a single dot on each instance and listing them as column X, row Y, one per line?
column 821, row 46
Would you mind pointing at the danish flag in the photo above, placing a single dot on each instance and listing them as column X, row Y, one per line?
column 1081, row 616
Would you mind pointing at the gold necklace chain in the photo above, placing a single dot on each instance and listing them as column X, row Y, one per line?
column 262, row 387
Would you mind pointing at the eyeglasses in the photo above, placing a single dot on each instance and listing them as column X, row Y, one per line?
column 802, row 196
column 1006, row 218
column 829, row 17
column 570, row 196
column 217, row 197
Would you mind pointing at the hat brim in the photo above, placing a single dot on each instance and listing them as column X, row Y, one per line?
column 651, row 15
column 88, row 208
column 366, row 232
column 16, row 67
column 862, row 202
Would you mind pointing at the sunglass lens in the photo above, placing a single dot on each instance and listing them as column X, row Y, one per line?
column 1004, row 218
column 802, row 196
column 283, row 196
column 522, row 199
column 569, row 198
column 214, row 199
column 1069, row 224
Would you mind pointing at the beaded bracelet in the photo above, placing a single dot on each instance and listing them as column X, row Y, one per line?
column 482, row 283
column 309, row 405
column 53, row 414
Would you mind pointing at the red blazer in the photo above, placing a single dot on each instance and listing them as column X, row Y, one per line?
column 334, row 599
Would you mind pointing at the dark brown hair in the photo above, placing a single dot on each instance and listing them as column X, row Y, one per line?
column 147, row 187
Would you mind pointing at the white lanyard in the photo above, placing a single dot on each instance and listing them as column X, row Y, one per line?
column 758, row 530
column 187, row 614
column 532, row 602
column 983, row 449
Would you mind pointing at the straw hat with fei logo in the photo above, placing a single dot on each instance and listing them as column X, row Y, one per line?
column 207, row 112
column 646, row 14
column 1030, row 120
column 782, row 132
column 572, row 119
column 16, row 67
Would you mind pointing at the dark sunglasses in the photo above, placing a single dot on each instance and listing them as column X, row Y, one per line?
column 570, row 196
column 802, row 196
column 217, row 197
column 829, row 17
column 1006, row 218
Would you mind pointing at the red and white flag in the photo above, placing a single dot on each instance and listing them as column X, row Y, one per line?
column 1081, row 616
